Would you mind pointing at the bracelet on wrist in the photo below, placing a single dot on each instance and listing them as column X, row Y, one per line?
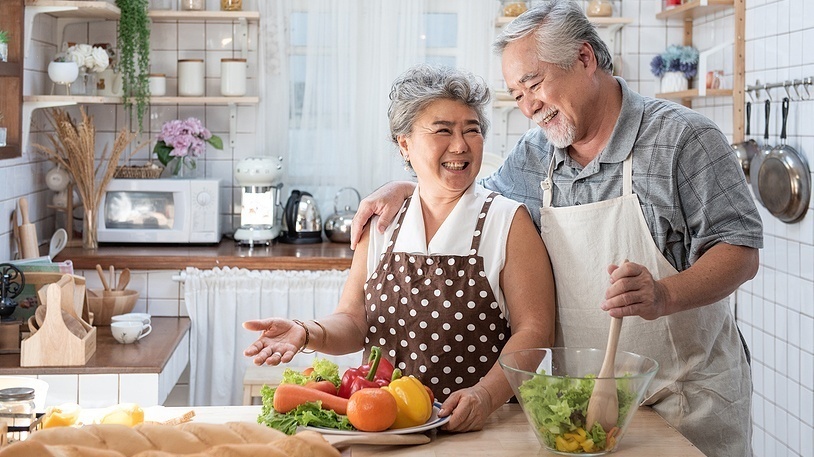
column 304, row 346
column 324, row 332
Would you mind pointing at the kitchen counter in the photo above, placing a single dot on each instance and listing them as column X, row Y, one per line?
column 277, row 256
column 507, row 433
column 148, row 355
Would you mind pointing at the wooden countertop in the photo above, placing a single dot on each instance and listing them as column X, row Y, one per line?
column 277, row 256
column 149, row 355
column 507, row 433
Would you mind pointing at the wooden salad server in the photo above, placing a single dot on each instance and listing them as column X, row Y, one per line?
column 603, row 407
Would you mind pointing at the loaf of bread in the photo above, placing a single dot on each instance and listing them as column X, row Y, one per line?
column 233, row 439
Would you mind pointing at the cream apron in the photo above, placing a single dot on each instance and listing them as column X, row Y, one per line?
column 703, row 386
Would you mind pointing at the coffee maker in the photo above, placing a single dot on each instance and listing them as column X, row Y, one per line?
column 261, row 210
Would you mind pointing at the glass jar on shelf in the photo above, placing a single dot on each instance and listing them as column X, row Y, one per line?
column 192, row 5
column 513, row 8
column 231, row 5
column 17, row 411
column 599, row 8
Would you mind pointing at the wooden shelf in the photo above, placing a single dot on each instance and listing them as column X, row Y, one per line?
column 9, row 69
column 96, row 100
column 76, row 9
column 9, row 150
column 696, row 8
column 598, row 21
column 693, row 93
column 200, row 16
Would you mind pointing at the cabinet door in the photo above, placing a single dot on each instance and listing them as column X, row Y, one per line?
column 11, row 77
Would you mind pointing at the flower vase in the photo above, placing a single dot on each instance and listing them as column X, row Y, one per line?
column 674, row 81
column 183, row 167
column 90, row 239
column 78, row 86
column 3, row 52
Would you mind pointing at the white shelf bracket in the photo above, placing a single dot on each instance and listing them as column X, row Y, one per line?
column 702, row 66
column 32, row 11
column 28, row 110
column 232, row 124
column 243, row 34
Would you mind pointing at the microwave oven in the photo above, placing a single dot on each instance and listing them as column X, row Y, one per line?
column 160, row 211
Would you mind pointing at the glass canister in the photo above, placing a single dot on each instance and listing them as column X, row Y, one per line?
column 513, row 8
column 233, row 77
column 160, row 4
column 17, row 411
column 192, row 5
column 191, row 78
column 599, row 8
column 231, row 5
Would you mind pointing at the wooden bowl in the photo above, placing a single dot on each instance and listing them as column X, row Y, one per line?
column 104, row 304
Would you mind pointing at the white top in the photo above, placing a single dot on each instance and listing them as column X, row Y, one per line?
column 454, row 237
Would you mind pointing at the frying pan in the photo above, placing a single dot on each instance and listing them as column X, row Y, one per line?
column 757, row 160
column 784, row 179
column 746, row 150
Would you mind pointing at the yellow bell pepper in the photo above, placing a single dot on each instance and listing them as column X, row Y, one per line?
column 413, row 401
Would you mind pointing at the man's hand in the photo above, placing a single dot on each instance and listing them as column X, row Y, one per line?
column 634, row 292
column 384, row 202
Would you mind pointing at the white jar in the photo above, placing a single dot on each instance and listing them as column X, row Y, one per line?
column 191, row 78
column 233, row 77
column 158, row 84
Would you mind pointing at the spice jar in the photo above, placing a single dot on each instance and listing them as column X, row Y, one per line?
column 599, row 8
column 191, row 78
column 513, row 8
column 231, row 5
column 17, row 411
column 233, row 77
column 192, row 5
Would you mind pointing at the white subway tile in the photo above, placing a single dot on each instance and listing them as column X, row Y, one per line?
column 141, row 388
column 62, row 388
column 98, row 390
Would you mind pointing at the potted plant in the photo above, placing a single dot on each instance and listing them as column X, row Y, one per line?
column 675, row 66
column 134, row 55
column 63, row 70
column 3, row 46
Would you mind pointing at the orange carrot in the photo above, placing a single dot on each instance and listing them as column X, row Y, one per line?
column 325, row 386
column 288, row 396
column 308, row 371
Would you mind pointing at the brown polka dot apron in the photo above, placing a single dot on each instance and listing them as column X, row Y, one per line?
column 435, row 316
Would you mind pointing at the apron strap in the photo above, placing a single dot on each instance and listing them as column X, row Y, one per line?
column 548, row 184
column 479, row 226
column 398, row 226
column 627, row 173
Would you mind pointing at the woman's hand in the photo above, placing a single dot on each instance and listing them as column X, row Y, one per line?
column 469, row 408
column 384, row 202
column 279, row 342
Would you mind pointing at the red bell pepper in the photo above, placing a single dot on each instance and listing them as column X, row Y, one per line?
column 376, row 373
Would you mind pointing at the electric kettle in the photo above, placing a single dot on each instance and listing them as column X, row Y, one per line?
column 301, row 220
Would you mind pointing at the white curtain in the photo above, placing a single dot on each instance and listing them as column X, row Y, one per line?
column 354, row 51
column 220, row 300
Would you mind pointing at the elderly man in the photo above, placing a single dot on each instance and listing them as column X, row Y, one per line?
column 644, row 190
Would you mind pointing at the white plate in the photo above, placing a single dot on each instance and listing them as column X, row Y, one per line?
column 433, row 422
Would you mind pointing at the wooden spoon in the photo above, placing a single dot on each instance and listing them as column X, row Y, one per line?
column 603, row 407
column 124, row 279
column 102, row 276
column 112, row 278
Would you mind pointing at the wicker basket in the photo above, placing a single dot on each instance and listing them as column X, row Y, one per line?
column 148, row 171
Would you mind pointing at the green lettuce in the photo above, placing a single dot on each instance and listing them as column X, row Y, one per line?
column 557, row 406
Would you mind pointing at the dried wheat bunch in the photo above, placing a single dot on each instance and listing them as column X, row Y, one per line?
column 74, row 148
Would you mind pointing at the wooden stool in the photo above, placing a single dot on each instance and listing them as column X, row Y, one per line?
column 255, row 377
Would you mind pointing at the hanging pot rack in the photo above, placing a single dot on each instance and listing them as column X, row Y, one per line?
column 800, row 88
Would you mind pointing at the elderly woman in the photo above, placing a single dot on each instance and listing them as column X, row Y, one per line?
column 455, row 281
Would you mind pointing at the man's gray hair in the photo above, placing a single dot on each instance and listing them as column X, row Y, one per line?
column 424, row 84
column 560, row 27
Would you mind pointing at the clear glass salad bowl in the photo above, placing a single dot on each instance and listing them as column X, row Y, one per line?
column 554, row 386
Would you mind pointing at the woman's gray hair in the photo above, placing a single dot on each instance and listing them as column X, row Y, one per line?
column 560, row 28
column 424, row 84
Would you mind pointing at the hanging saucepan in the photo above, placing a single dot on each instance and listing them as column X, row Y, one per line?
column 784, row 179
column 746, row 150
column 757, row 160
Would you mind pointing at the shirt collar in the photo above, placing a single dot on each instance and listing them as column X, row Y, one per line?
column 624, row 132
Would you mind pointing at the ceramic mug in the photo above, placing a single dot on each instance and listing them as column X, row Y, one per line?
column 127, row 332
column 144, row 318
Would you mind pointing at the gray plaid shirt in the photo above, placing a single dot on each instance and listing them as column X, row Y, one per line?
column 690, row 185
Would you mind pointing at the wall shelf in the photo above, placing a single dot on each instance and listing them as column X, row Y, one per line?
column 97, row 100
column 693, row 93
column 692, row 9
column 200, row 16
column 598, row 21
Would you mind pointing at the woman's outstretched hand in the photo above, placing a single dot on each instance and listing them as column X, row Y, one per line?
column 279, row 343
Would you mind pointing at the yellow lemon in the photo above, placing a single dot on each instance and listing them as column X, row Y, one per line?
column 128, row 414
column 61, row 416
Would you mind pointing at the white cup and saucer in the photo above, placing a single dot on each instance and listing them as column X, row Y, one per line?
column 131, row 327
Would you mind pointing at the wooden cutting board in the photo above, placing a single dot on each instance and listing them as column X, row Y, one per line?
column 73, row 324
